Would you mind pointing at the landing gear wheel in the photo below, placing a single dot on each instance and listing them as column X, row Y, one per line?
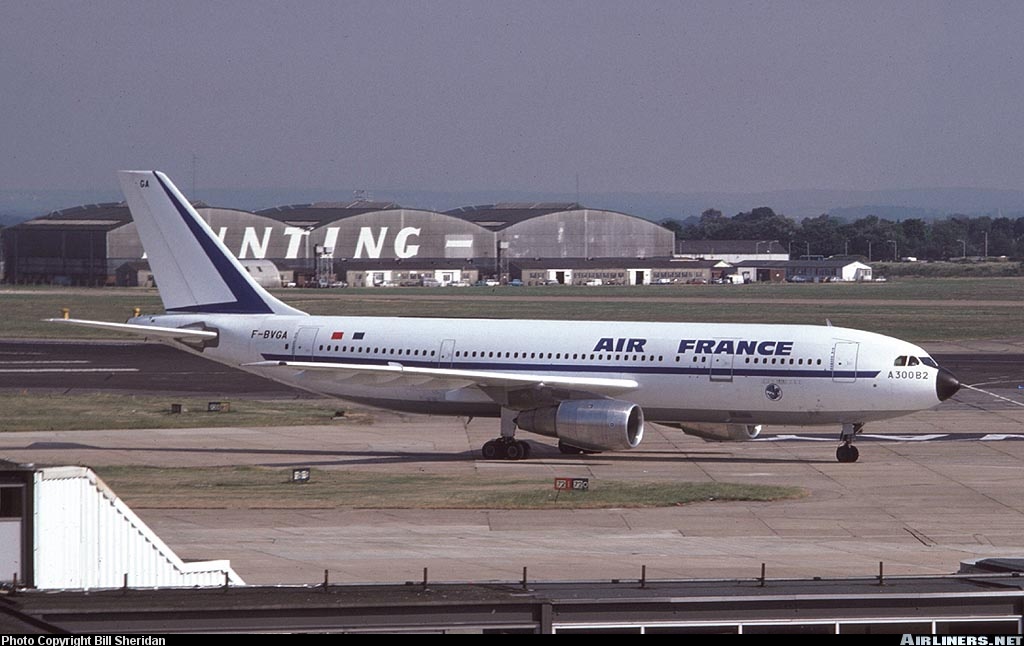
column 505, row 449
column 493, row 450
column 514, row 451
column 847, row 453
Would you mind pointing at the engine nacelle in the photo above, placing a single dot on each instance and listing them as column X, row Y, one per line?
column 591, row 424
column 723, row 432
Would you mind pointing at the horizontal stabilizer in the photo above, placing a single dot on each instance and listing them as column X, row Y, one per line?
column 185, row 333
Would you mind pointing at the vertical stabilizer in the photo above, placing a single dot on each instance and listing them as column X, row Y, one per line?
column 194, row 271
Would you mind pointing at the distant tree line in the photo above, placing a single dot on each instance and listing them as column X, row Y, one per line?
column 872, row 237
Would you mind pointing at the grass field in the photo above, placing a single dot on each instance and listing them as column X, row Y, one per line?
column 33, row 411
column 258, row 487
column 913, row 309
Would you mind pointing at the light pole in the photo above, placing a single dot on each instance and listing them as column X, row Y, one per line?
column 964, row 243
column 895, row 254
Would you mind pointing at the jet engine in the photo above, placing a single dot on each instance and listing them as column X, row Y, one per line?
column 723, row 432
column 591, row 424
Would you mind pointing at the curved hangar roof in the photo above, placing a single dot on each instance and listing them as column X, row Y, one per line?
column 569, row 230
column 321, row 213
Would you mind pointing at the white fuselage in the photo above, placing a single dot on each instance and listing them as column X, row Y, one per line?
column 685, row 372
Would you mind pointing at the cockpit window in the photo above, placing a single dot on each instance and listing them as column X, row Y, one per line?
column 928, row 361
column 912, row 361
column 900, row 361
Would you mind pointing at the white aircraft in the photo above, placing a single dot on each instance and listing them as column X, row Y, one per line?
column 590, row 384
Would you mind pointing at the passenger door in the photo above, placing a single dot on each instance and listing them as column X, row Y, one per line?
column 844, row 361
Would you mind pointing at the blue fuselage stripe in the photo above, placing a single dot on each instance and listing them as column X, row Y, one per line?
column 616, row 369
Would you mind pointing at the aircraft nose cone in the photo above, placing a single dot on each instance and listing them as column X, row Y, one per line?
column 946, row 385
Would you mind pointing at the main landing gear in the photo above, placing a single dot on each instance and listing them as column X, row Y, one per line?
column 506, row 447
column 847, row 452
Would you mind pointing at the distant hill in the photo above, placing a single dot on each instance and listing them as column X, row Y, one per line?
column 16, row 205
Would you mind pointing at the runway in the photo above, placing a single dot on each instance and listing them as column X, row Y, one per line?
column 919, row 507
column 125, row 366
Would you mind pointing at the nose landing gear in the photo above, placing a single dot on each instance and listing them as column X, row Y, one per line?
column 847, row 452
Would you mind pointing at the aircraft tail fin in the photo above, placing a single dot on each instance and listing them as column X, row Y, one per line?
column 194, row 271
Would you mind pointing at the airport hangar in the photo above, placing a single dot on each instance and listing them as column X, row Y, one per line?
column 361, row 243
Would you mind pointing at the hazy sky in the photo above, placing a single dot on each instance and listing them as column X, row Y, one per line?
column 445, row 95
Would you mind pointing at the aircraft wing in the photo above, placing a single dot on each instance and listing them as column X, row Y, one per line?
column 455, row 378
column 185, row 334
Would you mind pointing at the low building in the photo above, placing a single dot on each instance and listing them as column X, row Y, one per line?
column 809, row 271
column 135, row 273
column 427, row 272
column 616, row 271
